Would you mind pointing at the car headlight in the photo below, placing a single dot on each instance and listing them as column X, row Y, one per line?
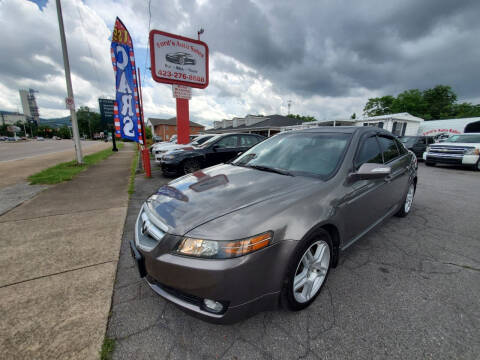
column 223, row 249
column 168, row 157
column 472, row 151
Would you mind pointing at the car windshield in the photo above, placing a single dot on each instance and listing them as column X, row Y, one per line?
column 464, row 139
column 200, row 140
column 301, row 153
column 210, row 141
column 408, row 140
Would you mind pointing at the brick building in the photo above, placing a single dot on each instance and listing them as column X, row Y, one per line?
column 166, row 128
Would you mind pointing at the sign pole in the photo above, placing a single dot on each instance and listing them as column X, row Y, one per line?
column 145, row 154
column 76, row 135
column 183, row 123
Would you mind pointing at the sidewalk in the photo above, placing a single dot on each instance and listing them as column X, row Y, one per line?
column 58, row 257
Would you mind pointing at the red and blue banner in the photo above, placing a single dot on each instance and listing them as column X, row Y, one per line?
column 126, row 110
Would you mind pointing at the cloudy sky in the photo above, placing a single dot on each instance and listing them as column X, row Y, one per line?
column 327, row 57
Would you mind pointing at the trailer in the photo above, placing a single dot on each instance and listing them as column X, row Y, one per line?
column 442, row 128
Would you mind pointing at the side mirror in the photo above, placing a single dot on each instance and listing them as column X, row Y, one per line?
column 371, row 171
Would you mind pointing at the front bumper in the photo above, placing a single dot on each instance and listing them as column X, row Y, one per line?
column 169, row 167
column 457, row 159
column 245, row 285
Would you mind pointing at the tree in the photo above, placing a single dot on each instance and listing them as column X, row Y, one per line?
column 411, row 101
column 89, row 122
column 64, row 132
column 379, row 106
column 354, row 116
column 440, row 101
column 148, row 132
column 302, row 118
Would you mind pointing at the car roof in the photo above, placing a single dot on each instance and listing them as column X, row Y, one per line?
column 343, row 130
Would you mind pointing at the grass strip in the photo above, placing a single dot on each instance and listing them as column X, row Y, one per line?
column 66, row 171
column 133, row 171
column 107, row 349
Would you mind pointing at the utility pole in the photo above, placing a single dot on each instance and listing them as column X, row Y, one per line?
column 76, row 136
column 289, row 103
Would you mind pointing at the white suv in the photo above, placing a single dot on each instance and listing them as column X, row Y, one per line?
column 461, row 149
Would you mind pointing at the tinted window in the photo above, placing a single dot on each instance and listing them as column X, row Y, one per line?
column 400, row 147
column 227, row 142
column 369, row 152
column 298, row 153
column 389, row 148
column 248, row 140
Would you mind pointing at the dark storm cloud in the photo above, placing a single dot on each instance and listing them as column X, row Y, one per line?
column 332, row 48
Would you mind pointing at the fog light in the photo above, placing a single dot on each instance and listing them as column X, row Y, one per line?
column 212, row 305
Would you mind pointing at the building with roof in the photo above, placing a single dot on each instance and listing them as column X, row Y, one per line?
column 399, row 124
column 29, row 105
column 11, row 117
column 267, row 125
column 166, row 128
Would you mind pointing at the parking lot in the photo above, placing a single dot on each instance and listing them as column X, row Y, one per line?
column 407, row 290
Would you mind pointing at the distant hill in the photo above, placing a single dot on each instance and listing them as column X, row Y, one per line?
column 56, row 122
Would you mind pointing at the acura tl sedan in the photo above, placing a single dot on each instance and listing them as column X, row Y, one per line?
column 265, row 230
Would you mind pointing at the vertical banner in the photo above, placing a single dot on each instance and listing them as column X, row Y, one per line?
column 126, row 109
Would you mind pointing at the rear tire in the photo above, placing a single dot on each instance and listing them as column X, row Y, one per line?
column 477, row 167
column 308, row 271
column 407, row 201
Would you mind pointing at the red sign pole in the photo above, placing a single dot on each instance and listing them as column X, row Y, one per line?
column 145, row 154
column 183, row 122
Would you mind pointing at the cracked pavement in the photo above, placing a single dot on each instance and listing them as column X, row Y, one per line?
column 407, row 290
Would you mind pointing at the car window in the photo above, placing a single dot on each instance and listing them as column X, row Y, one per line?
column 430, row 140
column 421, row 141
column 227, row 142
column 369, row 152
column 389, row 148
column 317, row 154
column 401, row 147
column 248, row 140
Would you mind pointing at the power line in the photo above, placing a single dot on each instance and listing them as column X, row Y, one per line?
column 148, row 46
column 88, row 43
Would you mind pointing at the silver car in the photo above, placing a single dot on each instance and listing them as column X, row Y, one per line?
column 265, row 230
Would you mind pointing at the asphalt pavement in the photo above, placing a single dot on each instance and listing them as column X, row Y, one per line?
column 407, row 290
column 10, row 151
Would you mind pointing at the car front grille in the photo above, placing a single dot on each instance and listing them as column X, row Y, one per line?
column 147, row 232
column 449, row 150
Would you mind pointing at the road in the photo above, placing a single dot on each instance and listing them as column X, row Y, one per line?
column 407, row 290
column 20, row 160
column 10, row 151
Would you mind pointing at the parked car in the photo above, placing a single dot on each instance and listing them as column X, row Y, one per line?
column 461, row 149
column 173, row 140
column 417, row 144
column 199, row 140
column 11, row 138
column 3, row 138
column 40, row 138
column 216, row 150
column 234, row 239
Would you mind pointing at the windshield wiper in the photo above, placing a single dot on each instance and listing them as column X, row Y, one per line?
column 270, row 169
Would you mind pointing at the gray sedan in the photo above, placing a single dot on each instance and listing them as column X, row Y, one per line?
column 234, row 239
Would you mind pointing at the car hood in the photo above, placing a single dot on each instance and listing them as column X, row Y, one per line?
column 456, row 144
column 195, row 199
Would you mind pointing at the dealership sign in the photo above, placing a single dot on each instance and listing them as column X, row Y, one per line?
column 126, row 108
column 181, row 92
column 178, row 60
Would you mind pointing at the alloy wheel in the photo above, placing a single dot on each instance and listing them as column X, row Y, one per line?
column 191, row 166
column 311, row 271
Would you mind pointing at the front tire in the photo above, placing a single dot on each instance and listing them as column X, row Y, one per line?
column 191, row 165
column 407, row 202
column 308, row 271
